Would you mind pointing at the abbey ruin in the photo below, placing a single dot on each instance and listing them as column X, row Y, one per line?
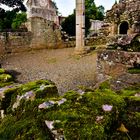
column 124, row 17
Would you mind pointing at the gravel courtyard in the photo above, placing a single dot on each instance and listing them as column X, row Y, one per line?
column 60, row 66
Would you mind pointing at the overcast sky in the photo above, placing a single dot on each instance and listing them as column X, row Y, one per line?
column 66, row 6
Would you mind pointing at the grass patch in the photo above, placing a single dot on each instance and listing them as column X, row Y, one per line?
column 51, row 60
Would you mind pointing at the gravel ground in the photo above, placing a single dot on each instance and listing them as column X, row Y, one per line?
column 60, row 66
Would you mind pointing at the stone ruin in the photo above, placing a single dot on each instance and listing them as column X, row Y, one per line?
column 43, row 22
column 122, row 24
column 43, row 29
column 124, row 17
column 45, row 9
column 122, row 30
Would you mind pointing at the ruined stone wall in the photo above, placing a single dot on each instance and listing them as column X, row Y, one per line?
column 114, row 63
column 97, row 40
column 128, row 11
column 46, row 34
column 89, row 41
column 42, row 34
column 45, row 9
column 11, row 42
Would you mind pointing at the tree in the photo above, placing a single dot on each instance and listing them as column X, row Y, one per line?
column 100, row 14
column 90, row 9
column 15, row 4
column 7, row 17
column 68, row 25
column 91, row 12
column 18, row 20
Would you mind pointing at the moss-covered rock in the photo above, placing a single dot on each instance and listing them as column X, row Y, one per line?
column 35, row 111
column 2, row 71
column 6, row 78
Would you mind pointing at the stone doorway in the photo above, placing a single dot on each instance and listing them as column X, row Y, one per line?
column 124, row 26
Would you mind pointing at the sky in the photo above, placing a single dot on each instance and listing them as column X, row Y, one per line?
column 66, row 7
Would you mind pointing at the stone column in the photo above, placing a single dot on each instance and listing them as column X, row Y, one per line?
column 80, row 27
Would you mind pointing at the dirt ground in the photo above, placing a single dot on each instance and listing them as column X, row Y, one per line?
column 60, row 66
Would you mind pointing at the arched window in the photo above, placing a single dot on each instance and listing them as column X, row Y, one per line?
column 123, row 27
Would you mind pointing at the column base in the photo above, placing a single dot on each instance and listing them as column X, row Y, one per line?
column 80, row 51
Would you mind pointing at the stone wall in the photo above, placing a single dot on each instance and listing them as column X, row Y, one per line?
column 46, row 34
column 89, row 41
column 96, row 25
column 11, row 42
column 42, row 34
column 97, row 40
column 114, row 63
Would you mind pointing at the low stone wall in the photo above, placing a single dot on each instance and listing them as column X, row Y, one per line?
column 97, row 40
column 114, row 63
column 90, row 41
column 15, row 41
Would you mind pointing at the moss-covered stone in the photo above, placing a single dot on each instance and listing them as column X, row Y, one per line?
column 6, row 78
column 2, row 71
column 95, row 115
column 134, row 70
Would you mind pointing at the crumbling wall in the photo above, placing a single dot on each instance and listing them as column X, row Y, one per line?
column 41, row 34
column 114, row 63
column 15, row 41
column 128, row 11
column 46, row 34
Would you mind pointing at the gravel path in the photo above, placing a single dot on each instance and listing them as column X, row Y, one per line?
column 63, row 68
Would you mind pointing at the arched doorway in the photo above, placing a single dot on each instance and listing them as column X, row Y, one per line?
column 123, row 27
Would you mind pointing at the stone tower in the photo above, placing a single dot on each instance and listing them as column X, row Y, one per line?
column 44, row 24
column 80, row 27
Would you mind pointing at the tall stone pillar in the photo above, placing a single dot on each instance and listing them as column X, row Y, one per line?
column 80, row 27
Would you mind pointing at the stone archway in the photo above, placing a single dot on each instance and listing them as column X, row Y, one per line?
column 123, row 28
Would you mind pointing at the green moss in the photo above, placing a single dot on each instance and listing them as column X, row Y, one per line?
column 2, row 71
column 3, row 84
column 71, row 95
column 80, row 116
column 104, row 85
column 134, row 70
column 6, row 78
column 48, row 91
column 126, row 92
column 9, row 93
column 27, row 128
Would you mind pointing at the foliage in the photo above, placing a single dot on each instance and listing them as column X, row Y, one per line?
column 91, row 12
column 134, row 70
column 7, row 17
column 16, row 4
column 69, row 25
column 18, row 20
column 11, row 19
